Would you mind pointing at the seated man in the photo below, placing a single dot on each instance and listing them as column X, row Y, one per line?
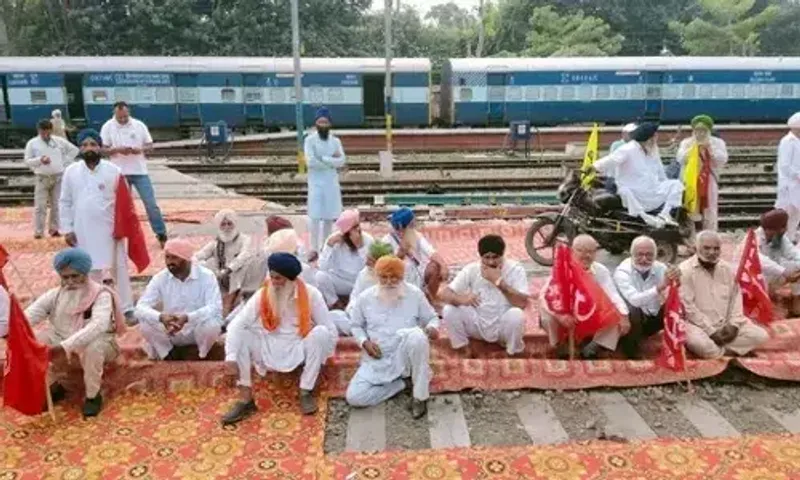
column 641, row 181
column 84, row 318
column 627, row 130
column 276, row 224
column 284, row 325
column 392, row 322
column 424, row 268
column 584, row 247
column 780, row 259
column 715, row 321
column 191, row 311
column 643, row 282
column 487, row 300
column 343, row 257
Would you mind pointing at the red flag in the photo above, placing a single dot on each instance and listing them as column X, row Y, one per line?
column 755, row 298
column 3, row 261
column 673, row 355
column 574, row 291
column 126, row 225
column 25, row 371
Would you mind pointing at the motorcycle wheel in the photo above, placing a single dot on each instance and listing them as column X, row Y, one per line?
column 666, row 252
column 542, row 230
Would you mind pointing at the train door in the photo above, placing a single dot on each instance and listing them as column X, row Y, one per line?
column 188, row 99
column 654, row 94
column 374, row 102
column 497, row 98
column 76, row 108
column 5, row 111
column 254, row 99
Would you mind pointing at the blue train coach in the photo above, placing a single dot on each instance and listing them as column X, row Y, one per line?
column 557, row 91
column 169, row 93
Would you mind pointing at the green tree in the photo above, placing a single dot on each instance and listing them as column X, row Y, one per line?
column 786, row 25
column 729, row 28
column 570, row 35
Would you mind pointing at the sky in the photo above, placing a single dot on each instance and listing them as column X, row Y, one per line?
column 424, row 5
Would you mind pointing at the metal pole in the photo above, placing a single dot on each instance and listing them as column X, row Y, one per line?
column 298, row 86
column 388, row 81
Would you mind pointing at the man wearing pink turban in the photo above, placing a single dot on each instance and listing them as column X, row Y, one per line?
column 191, row 303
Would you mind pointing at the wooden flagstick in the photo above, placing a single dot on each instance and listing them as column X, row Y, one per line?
column 689, row 387
column 114, row 265
column 50, row 407
column 572, row 343
column 22, row 279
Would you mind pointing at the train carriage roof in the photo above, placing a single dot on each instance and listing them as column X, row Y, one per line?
column 207, row 64
column 622, row 63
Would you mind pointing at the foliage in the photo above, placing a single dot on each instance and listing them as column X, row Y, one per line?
column 572, row 35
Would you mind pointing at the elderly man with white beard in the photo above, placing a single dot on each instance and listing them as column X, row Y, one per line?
column 643, row 282
column 284, row 325
column 394, row 323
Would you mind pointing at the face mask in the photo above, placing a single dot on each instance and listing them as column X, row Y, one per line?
column 323, row 132
column 91, row 156
column 706, row 264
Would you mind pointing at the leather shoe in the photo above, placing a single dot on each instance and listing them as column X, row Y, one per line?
column 239, row 412
column 308, row 404
column 418, row 408
column 92, row 406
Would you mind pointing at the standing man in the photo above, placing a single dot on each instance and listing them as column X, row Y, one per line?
column 789, row 176
column 48, row 155
column 88, row 203
column 325, row 156
column 713, row 155
column 126, row 141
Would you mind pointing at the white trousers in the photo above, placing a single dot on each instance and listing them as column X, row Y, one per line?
column 93, row 358
column 158, row 343
column 711, row 212
column 342, row 321
column 415, row 354
column 332, row 287
column 318, row 345
column 669, row 194
column 750, row 336
column 317, row 227
column 463, row 323
column 606, row 338
column 122, row 284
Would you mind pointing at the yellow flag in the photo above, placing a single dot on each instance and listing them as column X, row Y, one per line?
column 590, row 156
column 691, row 199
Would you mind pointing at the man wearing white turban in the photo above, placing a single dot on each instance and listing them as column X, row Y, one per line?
column 789, row 176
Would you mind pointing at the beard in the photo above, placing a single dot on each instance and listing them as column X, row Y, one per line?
column 279, row 297
column 390, row 295
column 227, row 237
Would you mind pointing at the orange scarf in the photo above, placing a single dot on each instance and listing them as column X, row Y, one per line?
column 271, row 321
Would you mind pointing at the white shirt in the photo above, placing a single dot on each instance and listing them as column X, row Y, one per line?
column 417, row 261
column 59, row 150
column 493, row 303
column 640, row 173
column 88, row 200
column 5, row 309
column 198, row 297
column 789, row 171
column 343, row 263
column 372, row 319
column 366, row 279
column 603, row 278
column 132, row 134
column 641, row 292
column 775, row 261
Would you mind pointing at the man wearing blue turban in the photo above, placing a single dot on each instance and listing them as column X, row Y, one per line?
column 83, row 319
column 325, row 156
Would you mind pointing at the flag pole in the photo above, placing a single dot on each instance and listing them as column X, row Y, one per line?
column 22, row 279
column 572, row 344
column 50, row 408
column 689, row 387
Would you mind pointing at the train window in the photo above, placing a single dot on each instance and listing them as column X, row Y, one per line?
column 551, row 93
column 753, row 90
column 787, row 90
column 620, row 92
column 277, row 95
column 228, row 95
column 252, row 95
column 188, row 95
column 637, row 92
column 99, row 96
column 336, row 95
column 721, row 91
column 146, row 95
column 585, row 93
column 603, row 92
column 316, row 95
column 654, row 92
column 465, row 94
column 532, row 93
column 689, row 92
column 705, row 91
column 671, row 92
column 514, row 94
column 38, row 96
column 568, row 93
column 737, row 91
column 123, row 94
column 165, row 95
column 769, row 91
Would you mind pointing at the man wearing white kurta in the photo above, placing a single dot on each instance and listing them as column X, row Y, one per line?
column 48, row 155
column 191, row 306
column 87, row 205
column 393, row 322
column 717, row 156
column 642, row 183
column 585, row 249
column 487, row 300
column 342, row 258
column 780, row 259
column 789, row 176
column 284, row 325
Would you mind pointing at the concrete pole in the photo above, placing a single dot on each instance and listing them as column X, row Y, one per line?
column 298, row 86
column 387, row 11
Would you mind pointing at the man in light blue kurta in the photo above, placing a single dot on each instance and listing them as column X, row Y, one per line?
column 325, row 156
column 392, row 322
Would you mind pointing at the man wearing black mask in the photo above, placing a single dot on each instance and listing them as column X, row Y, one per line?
column 715, row 321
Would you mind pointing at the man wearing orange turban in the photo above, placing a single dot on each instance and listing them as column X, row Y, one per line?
column 393, row 322
column 284, row 325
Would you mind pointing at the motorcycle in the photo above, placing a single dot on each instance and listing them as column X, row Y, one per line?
column 599, row 212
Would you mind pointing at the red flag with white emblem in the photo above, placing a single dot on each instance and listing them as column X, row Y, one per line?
column 25, row 370
column 673, row 355
column 755, row 297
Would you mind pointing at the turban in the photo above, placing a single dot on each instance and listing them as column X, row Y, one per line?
column 226, row 213
column 275, row 223
column 56, row 113
column 285, row 264
column 401, row 218
column 89, row 133
column 390, row 266
column 705, row 120
column 180, row 248
column 322, row 112
column 380, row 249
column 775, row 219
column 75, row 258
column 794, row 121
column 644, row 132
column 282, row 241
column 629, row 128
column 348, row 220
column 491, row 244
